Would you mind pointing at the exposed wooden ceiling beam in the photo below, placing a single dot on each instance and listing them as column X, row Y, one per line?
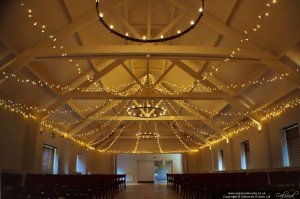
column 196, row 134
column 46, row 78
column 274, row 64
column 102, row 72
column 107, row 141
column 182, row 137
column 132, row 75
column 6, row 59
column 198, row 76
column 26, row 57
column 243, row 108
column 163, row 137
column 149, row 17
column 81, row 21
column 94, row 114
column 148, row 95
column 82, row 83
column 171, row 25
column 89, row 121
column 212, row 81
column 234, row 101
column 128, row 26
column 180, row 5
column 59, row 102
column 204, row 120
column 16, row 64
column 155, row 51
column 282, row 68
column 162, row 76
column 160, row 118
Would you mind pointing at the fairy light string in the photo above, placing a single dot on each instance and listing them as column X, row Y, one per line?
column 179, row 138
column 246, row 37
column 116, row 138
column 268, row 113
column 54, row 41
column 138, row 138
column 114, row 90
column 265, row 13
column 157, row 138
column 187, row 122
column 105, row 137
column 272, row 113
column 186, row 136
column 97, row 87
column 89, row 133
column 94, row 87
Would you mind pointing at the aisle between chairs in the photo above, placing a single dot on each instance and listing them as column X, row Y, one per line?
column 148, row 191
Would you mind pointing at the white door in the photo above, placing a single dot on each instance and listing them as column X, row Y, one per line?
column 145, row 171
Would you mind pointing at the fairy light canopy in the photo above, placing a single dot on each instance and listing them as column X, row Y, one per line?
column 225, row 76
column 152, row 28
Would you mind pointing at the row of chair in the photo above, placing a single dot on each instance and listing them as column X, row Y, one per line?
column 208, row 185
column 36, row 186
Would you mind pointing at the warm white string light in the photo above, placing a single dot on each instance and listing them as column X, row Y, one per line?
column 94, row 87
column 116, row 138
column 152, row 152
column 55, row 43
column 262, row 81
column 13, row 109
column 187, row 122
column 179, row 138
column 108, row 135
column 268, row 113
column 283, row 107
column 186, row 136
column 157, row 138
column 271, row 114
column 106, row 123
column 246, row 37
column 247, row 32
column 138, row 138
column 64, row 123
column 97, row 87
column 99, row 113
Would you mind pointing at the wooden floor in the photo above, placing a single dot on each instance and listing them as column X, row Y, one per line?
column 147, row 191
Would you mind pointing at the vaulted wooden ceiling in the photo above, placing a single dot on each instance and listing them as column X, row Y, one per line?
column 61, row 65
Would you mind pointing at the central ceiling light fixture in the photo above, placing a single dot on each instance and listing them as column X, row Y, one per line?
column 146, row 110
column 147, row 135
column 132, row 35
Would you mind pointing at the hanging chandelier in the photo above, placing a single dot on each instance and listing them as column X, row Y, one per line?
column 147, row 135
column 129, row 33
column 146, row 110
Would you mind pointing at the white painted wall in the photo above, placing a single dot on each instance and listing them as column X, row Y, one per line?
column 265, row 147
column 14, row 138
column 21, row 144
column 128, row 163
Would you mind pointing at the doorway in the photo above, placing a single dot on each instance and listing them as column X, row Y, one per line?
column 161, row 168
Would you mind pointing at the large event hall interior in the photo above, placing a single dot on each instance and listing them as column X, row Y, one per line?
column 185, row 93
